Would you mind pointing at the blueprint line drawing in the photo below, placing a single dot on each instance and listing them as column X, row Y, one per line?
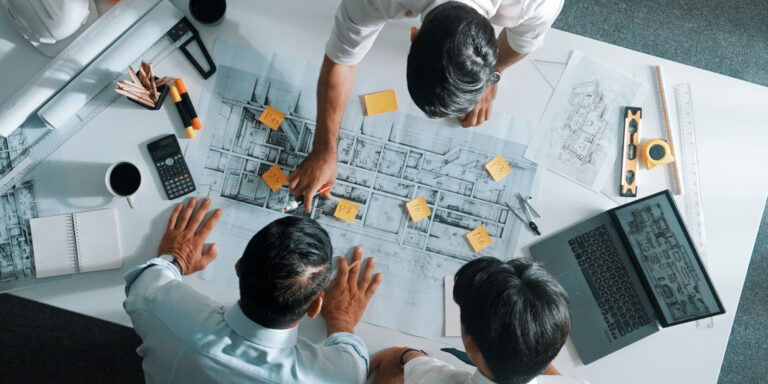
column 383, row 162
column 666, row 258
column 16, row 262
column 578, row 134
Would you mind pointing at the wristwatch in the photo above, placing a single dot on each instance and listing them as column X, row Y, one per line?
column 493, row 78
column 172, row 259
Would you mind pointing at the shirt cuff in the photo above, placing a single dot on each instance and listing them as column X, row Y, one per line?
column 135, row 272
column 352, row 341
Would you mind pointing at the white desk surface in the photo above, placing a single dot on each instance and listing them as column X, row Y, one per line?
column 731, row 136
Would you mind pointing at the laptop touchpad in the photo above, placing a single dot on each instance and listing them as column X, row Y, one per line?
column 571, row 285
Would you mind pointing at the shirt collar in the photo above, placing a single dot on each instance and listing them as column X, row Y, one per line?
column 267, row 337
column 479, row 378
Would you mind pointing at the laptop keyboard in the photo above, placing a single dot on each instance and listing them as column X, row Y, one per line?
column 609, row 281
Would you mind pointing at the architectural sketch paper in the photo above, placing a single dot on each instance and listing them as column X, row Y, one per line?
column 578, row 132
column 384, row 161
column 452, row 312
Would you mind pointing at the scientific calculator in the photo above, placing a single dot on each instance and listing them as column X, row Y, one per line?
column 171, row 166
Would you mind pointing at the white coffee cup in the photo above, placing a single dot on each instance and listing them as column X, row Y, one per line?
column 123, row 180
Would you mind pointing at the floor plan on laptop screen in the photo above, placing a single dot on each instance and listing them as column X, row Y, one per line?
column 384, row 161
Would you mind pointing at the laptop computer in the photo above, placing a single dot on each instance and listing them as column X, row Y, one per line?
column 627, row 271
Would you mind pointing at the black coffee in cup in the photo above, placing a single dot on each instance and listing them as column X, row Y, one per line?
column 125, row 179
column 208, row 11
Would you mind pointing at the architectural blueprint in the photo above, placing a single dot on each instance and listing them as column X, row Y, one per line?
column 17, row 206
column 666, row 258
column 384, row 161
column 577, row 135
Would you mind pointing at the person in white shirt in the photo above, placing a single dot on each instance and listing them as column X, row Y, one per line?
column 284, row 273
column 515, row 318
column 454, row 64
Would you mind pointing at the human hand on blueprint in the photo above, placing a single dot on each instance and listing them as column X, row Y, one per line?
column 317, row 169
column 386, row 366
column 482, row 111
column 346, row 299
column 183, row 240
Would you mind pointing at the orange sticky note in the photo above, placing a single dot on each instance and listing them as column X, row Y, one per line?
column 479, row 238
column 272, row 117
column 380, row 102
column 498, row 168
column 418, row 208
column 346, row 210
column 275, row 177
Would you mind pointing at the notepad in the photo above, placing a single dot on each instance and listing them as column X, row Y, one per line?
column 75, row 242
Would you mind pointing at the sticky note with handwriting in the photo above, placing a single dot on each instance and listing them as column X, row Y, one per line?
column 498, row 168
column 272, row 117
column 346, row 210
column 380, row 102
column 274, row 177
column 479, row 238
column 418, row 209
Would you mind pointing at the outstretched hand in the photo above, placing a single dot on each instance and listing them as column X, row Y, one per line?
column 317, row 169
column 482, row 111
column 346, row 299
column 185, row 241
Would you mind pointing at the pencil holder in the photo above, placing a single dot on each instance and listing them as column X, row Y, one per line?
column 162, row 93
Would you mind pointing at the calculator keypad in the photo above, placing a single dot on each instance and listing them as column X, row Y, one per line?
column 175, row 176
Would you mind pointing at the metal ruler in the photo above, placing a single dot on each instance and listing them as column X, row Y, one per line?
column 694, row 215
column 49, row 143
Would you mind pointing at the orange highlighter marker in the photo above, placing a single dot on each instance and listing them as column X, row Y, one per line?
column 196, row 123
column 182, row 112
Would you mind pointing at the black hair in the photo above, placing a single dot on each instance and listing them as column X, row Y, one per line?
column 517, row 314
column 284, row 268
column 450, row 60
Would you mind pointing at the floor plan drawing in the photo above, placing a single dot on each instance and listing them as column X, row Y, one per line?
column 383, row 162
column 669, row 263
column 16, row 262
column 577, row 136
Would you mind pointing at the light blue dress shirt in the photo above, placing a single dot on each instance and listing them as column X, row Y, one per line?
column 189, row 338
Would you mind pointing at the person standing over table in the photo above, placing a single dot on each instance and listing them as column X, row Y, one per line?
column 454, row 64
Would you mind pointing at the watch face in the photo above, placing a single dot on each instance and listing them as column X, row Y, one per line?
column 494, row 78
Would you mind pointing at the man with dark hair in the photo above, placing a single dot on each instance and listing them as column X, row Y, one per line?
column 454, row 64
column 515, row 318
column 284, row 272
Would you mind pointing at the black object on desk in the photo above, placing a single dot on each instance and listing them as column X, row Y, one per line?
column 208, row 11
column 171, row 166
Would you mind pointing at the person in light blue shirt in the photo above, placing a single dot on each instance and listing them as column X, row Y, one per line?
column 284, row 273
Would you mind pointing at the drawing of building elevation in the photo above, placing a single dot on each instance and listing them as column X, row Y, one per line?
column 18, row 206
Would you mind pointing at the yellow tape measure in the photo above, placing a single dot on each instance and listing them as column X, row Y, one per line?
column 656, row 152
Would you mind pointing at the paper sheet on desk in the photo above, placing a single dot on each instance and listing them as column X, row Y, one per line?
column 578, row 133
column 384, row 162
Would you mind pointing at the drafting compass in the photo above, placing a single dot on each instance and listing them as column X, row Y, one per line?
column 528, row 219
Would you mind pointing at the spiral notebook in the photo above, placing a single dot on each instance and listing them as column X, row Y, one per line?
column 76, row 242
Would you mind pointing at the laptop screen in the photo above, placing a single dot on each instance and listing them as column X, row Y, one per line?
column 666, row 257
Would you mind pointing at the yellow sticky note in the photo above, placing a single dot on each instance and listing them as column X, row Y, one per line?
column 498, row 168
column 346, row 210
column 479, row 238
column 380, row 102
column 272, row 117
column 275, row 177
column 418, row 208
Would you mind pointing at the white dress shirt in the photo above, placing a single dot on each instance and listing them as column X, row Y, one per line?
column 189, row 338
column 358, row 22
column 428, row 370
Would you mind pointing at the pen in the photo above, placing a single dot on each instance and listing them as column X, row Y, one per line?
column 349, row 267
column 182, row 112
column 300, row 200
column 187, row 102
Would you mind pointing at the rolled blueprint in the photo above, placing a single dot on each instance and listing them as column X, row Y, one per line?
column 71, row 61
column 111, row 64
